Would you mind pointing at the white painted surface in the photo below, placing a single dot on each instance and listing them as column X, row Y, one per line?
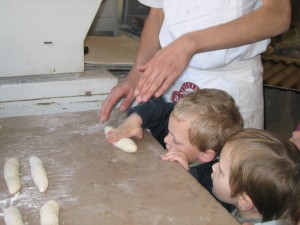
column 48, row 94
column 44, row 36
column 52, row 86
column 51, row 106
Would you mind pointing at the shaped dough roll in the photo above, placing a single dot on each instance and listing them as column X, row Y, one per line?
column 49, row 213
column 13, row 216
column 11, row 175
column 38, row 173
column 125, row 144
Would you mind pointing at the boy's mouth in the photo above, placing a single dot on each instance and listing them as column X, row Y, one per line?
column 168, row 147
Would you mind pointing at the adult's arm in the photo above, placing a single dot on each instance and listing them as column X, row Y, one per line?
column 271, row 19
column 148, row 46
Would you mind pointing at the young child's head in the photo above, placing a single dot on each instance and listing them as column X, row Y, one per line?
column 257, row 173
column 201, row 122
column 292, row 212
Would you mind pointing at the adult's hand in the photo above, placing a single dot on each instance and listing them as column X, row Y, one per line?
column 125, row 88
column 269, row 20
column 163, row 69
column 148, row 46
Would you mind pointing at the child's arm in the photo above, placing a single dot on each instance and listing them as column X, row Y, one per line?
column 155, row 115
column 177, row 156
column 132, row 127
column 296, row 138
column 152, row 115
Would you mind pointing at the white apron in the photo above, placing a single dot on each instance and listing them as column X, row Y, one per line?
column 237, row 71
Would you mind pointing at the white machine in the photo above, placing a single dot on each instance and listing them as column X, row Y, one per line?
column 42, row 58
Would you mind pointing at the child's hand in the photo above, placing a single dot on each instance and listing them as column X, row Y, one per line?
column 130, row 128
column 116, row 134
column 177, row 156
column 296, row 138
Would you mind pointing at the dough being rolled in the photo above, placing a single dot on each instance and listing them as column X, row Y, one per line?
column 125, row 144
column 13, row 216
column 11, row 175
column 38, row 173
column 49, row 213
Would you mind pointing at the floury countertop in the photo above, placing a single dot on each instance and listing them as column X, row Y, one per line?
column 97, row 183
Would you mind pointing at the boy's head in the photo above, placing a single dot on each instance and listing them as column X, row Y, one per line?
column 292, row 213
column 202, row 121
column 257, row 173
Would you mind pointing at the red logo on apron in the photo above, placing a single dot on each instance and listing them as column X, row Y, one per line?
column 186, row 88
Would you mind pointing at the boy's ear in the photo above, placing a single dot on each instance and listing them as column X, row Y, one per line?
column 244, row 202
column 207, row 156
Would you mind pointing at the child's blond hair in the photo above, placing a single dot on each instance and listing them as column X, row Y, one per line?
column 213, row 117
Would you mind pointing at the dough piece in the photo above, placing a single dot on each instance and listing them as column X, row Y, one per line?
column 49, row 213
column 125, row 144
column 38, row 173
column 13, row 216
column 11, row 175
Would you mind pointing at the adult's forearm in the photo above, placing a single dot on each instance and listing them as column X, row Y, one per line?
column 149, row 42
column 271, row 19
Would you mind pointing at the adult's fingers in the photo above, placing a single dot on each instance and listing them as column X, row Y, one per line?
column 150, row 82
column 164, row 87
column 148, row 90
column 110, row 101
column 144, row 83
column 115, row 95
column 126, row 103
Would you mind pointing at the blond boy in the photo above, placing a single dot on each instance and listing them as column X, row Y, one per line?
column 193, row 131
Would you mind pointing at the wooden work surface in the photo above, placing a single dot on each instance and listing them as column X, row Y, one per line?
column 96, row 183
